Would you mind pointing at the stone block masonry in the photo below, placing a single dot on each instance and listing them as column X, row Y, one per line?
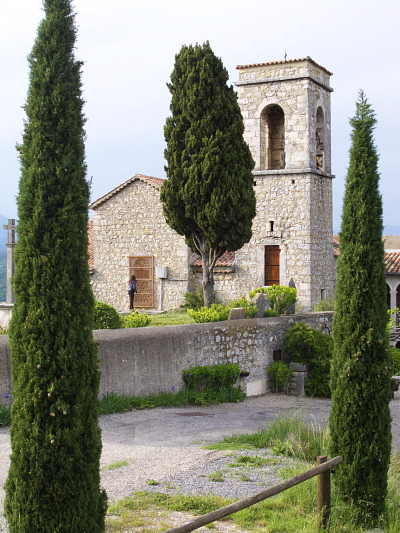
column 150, row 360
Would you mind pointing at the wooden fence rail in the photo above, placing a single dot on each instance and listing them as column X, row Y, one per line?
column 323, row 505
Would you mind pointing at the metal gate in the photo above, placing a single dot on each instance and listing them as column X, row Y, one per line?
column 142, row 268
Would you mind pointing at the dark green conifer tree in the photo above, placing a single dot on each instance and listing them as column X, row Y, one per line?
column 209, row 196
column 53, row 483
column 361, row 389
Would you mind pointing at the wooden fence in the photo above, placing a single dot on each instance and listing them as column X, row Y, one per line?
column 322, row 470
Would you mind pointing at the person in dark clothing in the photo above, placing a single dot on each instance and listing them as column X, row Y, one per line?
column 131, row 291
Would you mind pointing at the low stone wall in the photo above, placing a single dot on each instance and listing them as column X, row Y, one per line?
column 5, row 315
column 150, row 360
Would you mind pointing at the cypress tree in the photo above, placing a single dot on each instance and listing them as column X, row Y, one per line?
column 209, row 196
column 360, row 424
column 53, row 482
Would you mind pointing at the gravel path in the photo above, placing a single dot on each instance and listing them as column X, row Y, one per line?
column 165, row 445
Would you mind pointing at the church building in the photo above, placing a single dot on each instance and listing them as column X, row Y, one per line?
column 287, row 117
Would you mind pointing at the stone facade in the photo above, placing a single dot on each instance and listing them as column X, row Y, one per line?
column 286, row 113
column 129, row 222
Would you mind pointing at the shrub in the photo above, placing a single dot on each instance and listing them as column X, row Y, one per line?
column 194, row 300
column 280, row 373
column 215, row 313
column 395, row 360
column 136, row 320
column 280, row 297
column 106, row 317
column 200, row 378
column 327, row 304
column 315, row 349
column 270, row 312
column 250, row 308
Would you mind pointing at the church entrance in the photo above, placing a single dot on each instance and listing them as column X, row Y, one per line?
column 142, row 268
column 271, row 265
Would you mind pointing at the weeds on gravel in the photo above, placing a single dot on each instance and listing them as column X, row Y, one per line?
column 115, row 465
column 294, row 510
column 291, row 436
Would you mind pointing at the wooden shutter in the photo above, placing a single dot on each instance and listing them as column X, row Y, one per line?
column 271, row 265
column 142, row 268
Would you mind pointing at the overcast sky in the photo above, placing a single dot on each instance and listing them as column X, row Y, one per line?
column 128, row 48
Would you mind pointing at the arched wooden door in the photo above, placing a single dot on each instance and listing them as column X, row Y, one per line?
column 142, row 268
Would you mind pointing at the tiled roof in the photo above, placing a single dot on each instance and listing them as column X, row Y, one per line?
column 155, row 182
column 226, row 260
column 284, row 61
column 90, row 244
column 392, row 261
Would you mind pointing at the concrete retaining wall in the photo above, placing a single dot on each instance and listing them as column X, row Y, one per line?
column 150, row 360
column 5, row 315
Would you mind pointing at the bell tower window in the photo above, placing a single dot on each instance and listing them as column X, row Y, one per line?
column 272, row 138
column 319, row 139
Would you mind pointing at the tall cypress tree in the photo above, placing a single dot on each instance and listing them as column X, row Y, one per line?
column 53, row 482
column 209, row 196
column 361, row 389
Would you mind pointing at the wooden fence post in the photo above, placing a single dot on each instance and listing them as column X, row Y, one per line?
column 324, row 494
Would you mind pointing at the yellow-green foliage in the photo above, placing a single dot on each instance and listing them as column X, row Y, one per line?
column 136, row 320
column 280, row 296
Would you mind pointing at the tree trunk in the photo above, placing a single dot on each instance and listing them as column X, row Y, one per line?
column 208, row 281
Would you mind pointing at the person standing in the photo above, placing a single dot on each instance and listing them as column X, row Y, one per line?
column 131, row 291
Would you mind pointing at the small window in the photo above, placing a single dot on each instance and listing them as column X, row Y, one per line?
column 323, row 294
column 271, row 225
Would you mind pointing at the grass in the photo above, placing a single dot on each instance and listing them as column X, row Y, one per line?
column 115, row 465
column 290, row 436
column 5, row 415
column 171, row 318
column 113, row 403
column 294, row 510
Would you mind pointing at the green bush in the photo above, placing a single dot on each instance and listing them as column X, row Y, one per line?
column 136, row 320
column 395, row 359
column 250, row 308
column 327, row 304
column 215, row 313
column 106, row 317
column 194, row 300
column 270, row 312
column 315, row 349
column 200, row 378
column 280, row 373
column 280, row 297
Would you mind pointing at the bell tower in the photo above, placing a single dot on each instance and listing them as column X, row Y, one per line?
column 287, row 117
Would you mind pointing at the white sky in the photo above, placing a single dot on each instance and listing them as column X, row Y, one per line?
column 129, row 46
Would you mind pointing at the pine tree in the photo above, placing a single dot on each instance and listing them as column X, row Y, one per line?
column 53, row 482
column 361, row 389
column 209, row 196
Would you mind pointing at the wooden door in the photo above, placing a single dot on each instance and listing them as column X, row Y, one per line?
column 271, row 272
column 142, row 268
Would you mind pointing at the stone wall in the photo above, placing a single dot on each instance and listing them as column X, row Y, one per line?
column 5, row 315
column 131, row 223
column 148, row 360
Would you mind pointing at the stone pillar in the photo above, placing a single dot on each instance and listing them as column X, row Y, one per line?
column 11, row 228
column 393, row 302
column 291, row 310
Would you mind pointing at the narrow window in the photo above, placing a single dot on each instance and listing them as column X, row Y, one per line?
column 271, row 225
column 319, row 139
column 323, row 294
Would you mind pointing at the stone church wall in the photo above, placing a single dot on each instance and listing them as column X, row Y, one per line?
column 131, row 223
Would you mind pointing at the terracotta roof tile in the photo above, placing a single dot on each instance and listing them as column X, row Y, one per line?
column 392, row 262
column 155, row 182
column 284, row 61
column 226, row 260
